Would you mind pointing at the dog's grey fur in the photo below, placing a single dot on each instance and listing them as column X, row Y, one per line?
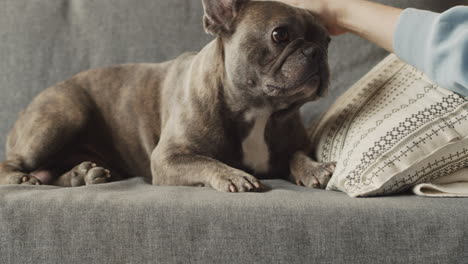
column 224, row 117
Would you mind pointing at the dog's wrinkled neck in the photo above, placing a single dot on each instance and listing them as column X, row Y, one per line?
column 209, row 63
column 205, row 74
column 209, row 67
column 235, row 100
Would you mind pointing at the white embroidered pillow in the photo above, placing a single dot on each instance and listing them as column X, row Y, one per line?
column 392, row 130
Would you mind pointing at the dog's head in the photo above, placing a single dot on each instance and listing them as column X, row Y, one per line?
column 273, row 52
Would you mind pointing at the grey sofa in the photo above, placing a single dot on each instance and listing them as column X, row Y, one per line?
column 45, row 41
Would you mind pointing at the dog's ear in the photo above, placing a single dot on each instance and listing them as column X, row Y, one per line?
column 220, row 15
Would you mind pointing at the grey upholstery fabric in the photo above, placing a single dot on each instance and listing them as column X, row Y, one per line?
column 45, row 41
column 135, row 222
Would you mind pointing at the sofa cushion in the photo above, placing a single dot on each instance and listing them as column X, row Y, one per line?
column 134, row 222
column 392, row 130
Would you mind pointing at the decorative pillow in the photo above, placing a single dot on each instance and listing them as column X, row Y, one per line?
column 392, row 130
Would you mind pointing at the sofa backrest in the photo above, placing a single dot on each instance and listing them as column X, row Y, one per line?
column 43, row 42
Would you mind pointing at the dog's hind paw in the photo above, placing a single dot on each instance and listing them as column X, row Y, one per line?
column 89, row 173
column 23, row 179
column 97, row 175
column 26, row 179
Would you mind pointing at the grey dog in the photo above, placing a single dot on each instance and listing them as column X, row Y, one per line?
column 224, row 117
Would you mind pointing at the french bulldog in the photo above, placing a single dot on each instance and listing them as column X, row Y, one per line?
column 224, row 117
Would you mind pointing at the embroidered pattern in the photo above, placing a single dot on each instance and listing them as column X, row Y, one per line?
column 380, row 129
column 404, row 129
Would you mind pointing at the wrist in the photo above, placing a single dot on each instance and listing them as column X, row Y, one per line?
column 341, row 12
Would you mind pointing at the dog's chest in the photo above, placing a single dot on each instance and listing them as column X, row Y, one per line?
column 255, row 151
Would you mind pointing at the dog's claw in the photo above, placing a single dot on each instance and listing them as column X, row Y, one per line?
column 248, row 186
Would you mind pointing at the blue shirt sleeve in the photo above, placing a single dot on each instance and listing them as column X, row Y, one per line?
column 436, row 44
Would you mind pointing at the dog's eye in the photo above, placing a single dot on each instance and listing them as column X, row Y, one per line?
column 329, row 40
column 280, row 35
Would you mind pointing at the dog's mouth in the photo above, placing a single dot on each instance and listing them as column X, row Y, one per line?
column 295, row 73
column 311, row 81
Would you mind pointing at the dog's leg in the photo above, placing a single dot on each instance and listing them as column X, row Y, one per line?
column 196, row 170
column 309, row 173
column 49, row 123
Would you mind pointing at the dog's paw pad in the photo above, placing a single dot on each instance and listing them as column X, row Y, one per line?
column 97, row 175
column 87, row 173
column 84, row 167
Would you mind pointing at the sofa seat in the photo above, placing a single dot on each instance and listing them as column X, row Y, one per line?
column 135, row 222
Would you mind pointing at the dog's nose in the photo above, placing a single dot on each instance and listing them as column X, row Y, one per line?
column 310, row 52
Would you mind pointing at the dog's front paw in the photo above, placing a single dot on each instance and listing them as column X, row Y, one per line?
column 314, row 174
column 236, row 182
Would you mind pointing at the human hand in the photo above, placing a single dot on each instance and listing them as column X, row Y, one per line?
column 327, row 10
column 367, row 19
